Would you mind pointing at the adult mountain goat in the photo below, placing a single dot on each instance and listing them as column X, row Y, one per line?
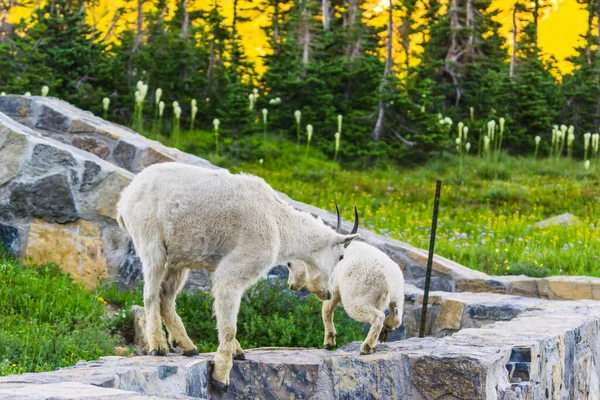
column 183, row 217
column 366, row 282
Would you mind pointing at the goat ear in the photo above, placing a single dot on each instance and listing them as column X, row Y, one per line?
column 346, row 239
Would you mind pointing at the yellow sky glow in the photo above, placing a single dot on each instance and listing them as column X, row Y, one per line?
column 559, row 28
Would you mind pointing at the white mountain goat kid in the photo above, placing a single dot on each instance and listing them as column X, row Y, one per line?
column 366, row 282
column 183, row 217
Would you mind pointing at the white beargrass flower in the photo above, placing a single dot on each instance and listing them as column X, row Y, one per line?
column 440, row 116
column 309, row 131
column 194, row 111
column 265, row 112
column 216, row 123
column 27, row 94
column 157, row 96
column 448, row 120
column 255, row 92
column 457, row 141
column 161, row 108
column 465, row 132
column 207, row 99
column 586, row 140
column 251, row 99
column 298, row 116
column 45, row 90
column 538, row 140
column 175, row 104
column 571, row 138
column 105, row 103
column 468, row 146
column 339, row 117
column 460, row 129
column 595, row 142
column 486, row 143
column 261, row 161
column 587, row 164
column 501, row 121
column 177, row 112
column 3, row 94
column 472, row 112
column 442, row 122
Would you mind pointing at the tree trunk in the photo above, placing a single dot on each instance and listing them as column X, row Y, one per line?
column 275, row 21
column 186, row 19
column 325, row 7
column 233, row 35
column 536, row 14
column 471, row 29
column 454, row 51
column 138, row 40
column 305, row 34
column 513, row 58
column 386, row 73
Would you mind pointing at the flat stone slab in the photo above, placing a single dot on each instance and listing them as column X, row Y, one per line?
column 507, row 347
column 71, row 391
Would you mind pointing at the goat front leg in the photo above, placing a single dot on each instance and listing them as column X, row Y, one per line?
column 327, row 312
column 230, row 280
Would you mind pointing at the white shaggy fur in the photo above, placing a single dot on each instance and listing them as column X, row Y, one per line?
column 184, row 217
column 366, row 282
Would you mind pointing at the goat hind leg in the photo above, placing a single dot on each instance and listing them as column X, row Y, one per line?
column 368, row 314
column 171, row 286
column 154, row 272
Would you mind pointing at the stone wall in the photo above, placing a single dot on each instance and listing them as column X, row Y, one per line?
column 507, row 348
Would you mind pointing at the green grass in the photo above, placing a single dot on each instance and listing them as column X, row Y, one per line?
column 488, row 212
column 47, row 321
column 270, row 315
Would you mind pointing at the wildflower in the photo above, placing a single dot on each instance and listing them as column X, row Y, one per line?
column 207, row 99
column 261, row 161
column 508, row 267
column 161, row 108
column 537, row 140
column 27, row 94
column 465, row 132
column 337, row 144
column 309, row 131
column 298, row 116
column 105, row 103
column 251, row 98
column 486, row 143
column 472, row 112
column 216, row 123
column 537, row 146
column 501, row 121
column 587, row 164
column 339, row 118
column 595, row 141
column 3, row 94
column 264, row 113
column 45, row 90
column 255, row 92
column 157, row 96
column 468, row 147
column 457, row 141
column 461, row 125
column 448, row 121
column 177, row 112
column 586, row 140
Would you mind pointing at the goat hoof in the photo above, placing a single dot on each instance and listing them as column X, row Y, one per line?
column 239, row 357
column 328, row 346
column 159, row 353
column 367, row 350
column 221, row 387
column 191, row 353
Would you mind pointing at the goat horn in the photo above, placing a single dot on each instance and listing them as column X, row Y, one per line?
column 339, row 218
column 355, row 228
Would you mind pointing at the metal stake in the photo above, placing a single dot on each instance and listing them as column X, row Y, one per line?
column 436, row 204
